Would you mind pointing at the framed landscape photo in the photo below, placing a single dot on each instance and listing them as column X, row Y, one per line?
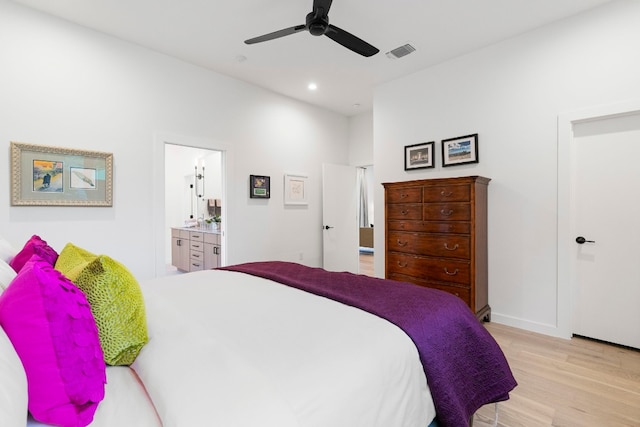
column 259, row 187
column 54, row 176
column 460, row 150
column 419, row 156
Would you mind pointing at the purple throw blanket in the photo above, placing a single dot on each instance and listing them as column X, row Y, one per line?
column 464, row 366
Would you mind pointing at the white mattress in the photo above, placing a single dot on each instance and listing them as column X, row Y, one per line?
column 231, row 349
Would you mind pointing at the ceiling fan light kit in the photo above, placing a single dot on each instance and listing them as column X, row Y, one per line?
column 317, row 23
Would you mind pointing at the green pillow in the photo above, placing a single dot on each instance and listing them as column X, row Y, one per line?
column 72, row 260
column 118, row 308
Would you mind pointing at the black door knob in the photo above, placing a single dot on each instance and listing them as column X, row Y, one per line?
column 326, row 227
column 581, row 240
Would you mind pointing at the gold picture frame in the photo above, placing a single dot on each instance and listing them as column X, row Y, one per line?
column 55, row 176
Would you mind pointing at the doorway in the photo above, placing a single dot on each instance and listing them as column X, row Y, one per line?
column 598, row 284
column 366, row 220
column 164, row 216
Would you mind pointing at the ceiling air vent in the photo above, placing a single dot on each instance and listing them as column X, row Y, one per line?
column 401, row 51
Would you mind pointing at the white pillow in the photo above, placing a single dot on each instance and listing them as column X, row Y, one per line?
column 7, row 252
column 7, row 274
column 13, row 387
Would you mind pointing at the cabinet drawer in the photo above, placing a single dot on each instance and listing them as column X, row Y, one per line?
column 447, row 246
column 447, row 211
column 447, row 193
column 196, row 255
column 196, row 265
column 212, row 238
column 405, row 195
column 444, row 270
column 431, row 226
column 404, row 211
column 463, row 293
column 196, row 246
column 196, row 236
column 179, row 233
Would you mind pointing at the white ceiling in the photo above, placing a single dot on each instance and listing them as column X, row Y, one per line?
column 211, row 34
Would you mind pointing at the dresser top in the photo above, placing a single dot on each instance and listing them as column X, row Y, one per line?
column 439, row 181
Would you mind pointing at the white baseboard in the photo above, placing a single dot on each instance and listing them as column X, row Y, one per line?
column 528, row 325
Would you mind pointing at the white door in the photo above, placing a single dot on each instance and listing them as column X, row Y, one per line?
column 607, row 212
column 340, row 218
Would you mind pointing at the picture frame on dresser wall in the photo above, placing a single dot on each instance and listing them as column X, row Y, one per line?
column 259, row 187
column 460, row 150
column 419, row 156
column 54, row 176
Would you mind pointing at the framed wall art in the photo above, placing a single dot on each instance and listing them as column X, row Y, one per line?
column 295, row 189
column 259, row 187
column 460, row 150
column 418, row 156
column 54, row 176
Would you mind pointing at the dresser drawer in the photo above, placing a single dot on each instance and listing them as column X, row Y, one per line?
column 196, row 236
column 424, row 268
column 430, row 226
column 447, row 193
column 404, row 195
column 446, row 246
column 404, row 211
column 463, row 293
column 447, row 212
column 196, row 246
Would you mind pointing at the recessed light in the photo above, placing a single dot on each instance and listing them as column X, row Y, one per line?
column 312, row 86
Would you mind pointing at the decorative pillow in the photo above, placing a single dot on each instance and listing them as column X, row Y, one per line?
column 7, row 274
column 13, row 387
column 49, row 322
column 35, row 245
column 72, row 260
column 7, row 251
column 118, row 307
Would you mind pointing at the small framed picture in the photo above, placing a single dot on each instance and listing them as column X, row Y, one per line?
column 460, row 150
column 259, row 187
column 418, row 156
column 295, row 189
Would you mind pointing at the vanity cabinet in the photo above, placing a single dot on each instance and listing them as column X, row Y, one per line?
column 193, row 250
column 436, row 236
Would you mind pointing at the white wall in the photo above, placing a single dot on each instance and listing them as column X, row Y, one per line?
column 361, row 139
column 63, row 85
column 511, row 94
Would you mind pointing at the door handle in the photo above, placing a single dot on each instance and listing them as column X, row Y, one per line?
column 326, row 227
column 581, row 240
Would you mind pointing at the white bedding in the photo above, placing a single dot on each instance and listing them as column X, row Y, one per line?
column 229, row 349
column 126, row 403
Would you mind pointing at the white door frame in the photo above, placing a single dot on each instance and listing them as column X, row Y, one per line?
column 566, row 214
column 158, row 188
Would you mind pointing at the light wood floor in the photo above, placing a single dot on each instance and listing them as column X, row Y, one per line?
column 561, row 383
column 575, row 382
column 366, row 264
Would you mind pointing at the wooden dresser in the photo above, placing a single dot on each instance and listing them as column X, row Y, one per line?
column 436, row 236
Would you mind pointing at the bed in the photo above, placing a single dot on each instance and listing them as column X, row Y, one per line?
column 280, row 344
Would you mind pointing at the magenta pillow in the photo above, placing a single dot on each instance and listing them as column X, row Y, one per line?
column 34, row 246
column 49, row 322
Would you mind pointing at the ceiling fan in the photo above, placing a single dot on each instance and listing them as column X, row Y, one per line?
column 317, row 23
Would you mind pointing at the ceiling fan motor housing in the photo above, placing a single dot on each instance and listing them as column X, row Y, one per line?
column 317, row 25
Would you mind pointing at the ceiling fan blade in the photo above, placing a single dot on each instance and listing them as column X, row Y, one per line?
column 325, row 5
column 350, row 41
column 277, row 34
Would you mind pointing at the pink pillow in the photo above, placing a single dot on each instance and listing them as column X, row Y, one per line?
column 34, row 246
column 49, row 322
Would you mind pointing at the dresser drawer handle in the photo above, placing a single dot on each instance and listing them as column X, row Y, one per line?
column 445, row 194
column 401, row 243
column 195, row 255
column 402, row 264
column 446, row 270
column 195, row 246
column 404, row 195
column 404, row 212
column 446, row 213
column 446, row 246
